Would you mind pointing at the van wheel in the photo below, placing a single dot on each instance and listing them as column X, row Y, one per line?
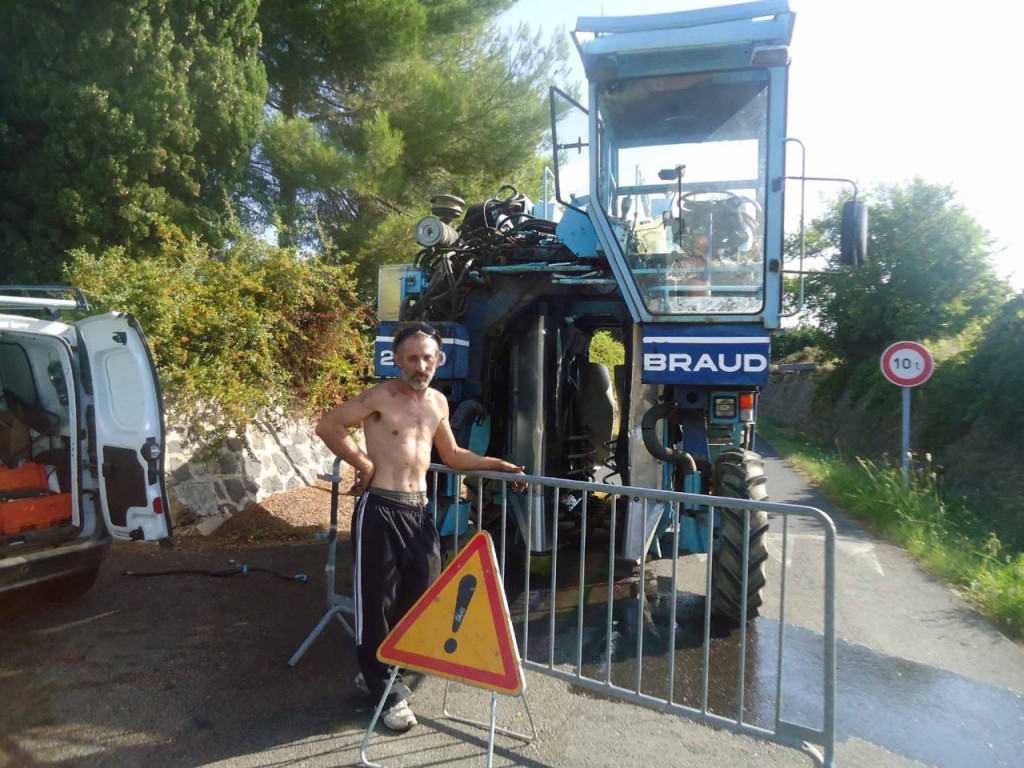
column 72, row 586
column 739, row 474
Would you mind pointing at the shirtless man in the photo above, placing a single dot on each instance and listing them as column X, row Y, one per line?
column 396, row 546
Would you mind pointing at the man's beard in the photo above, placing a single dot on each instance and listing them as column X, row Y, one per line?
column 418, row 384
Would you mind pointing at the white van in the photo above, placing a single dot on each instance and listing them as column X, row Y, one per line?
column 81, row 440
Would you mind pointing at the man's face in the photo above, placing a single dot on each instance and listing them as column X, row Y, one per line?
column 417, row 358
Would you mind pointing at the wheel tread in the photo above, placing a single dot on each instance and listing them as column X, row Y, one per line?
column 739, row 474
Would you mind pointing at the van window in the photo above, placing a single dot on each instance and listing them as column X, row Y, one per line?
column 15, row 371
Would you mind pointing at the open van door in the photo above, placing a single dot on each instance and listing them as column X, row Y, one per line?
column 125, row 424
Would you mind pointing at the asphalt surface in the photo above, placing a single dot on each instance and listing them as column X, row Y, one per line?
column 192, row 670
column 189, row 669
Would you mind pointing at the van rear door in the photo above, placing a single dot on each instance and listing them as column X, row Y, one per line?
column 125, row 422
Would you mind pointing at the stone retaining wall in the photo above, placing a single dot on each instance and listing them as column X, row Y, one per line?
column 208, row 490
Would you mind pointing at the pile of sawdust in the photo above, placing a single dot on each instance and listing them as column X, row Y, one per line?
column 290, row 517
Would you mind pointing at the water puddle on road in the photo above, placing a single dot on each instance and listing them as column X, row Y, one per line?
column 920, row 712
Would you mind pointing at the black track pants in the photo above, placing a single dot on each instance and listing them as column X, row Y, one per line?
column 397, row 555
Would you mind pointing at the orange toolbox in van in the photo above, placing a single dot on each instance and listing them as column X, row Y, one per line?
column 26, row 501
column 28, row 475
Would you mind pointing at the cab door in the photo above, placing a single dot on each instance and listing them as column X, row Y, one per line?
column 124, row 420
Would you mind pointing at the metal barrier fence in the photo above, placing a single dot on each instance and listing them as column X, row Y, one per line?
column 646, row 634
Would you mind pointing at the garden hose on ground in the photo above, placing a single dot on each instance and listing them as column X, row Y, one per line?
column 234, row 570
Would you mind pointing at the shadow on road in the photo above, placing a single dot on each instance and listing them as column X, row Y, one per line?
column 177, row 669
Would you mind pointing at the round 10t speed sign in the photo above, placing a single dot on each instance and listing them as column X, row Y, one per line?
column 907, row 363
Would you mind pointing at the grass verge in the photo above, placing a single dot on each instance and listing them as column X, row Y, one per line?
column 939, row 531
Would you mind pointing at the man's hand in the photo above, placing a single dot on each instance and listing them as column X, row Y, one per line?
column 517, row 486
column 364, row 474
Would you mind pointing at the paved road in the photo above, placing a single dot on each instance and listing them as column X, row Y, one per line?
column 922, row 677
column 191, row 670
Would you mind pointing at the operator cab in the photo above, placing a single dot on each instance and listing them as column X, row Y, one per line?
column 686, row 170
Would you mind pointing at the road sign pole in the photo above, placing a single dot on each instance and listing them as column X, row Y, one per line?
column 490, row 733
column 907, row 364
column 906, row 437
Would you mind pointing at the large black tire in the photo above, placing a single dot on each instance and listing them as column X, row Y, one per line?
column 739, row 474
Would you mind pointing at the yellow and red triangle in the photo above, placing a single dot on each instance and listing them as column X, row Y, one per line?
column 460, row 628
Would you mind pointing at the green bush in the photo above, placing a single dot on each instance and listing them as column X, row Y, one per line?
column 949, row 403
column 983, row 382
column 251, row 329
column 801, row 344
column 605, row 349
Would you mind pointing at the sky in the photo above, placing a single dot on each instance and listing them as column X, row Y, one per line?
column 882, row 91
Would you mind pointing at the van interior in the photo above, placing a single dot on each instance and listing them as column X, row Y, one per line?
column 37, row 471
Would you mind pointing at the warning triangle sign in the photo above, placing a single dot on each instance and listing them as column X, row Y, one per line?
column 460, row 629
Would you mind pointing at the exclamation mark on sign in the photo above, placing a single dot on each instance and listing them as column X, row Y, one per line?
column 467, row 585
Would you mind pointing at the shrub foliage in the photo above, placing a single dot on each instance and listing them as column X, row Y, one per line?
column 250, row 329
column 982, row 382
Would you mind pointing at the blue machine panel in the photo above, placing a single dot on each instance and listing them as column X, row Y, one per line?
column 717, row 355
column 577, row 231
column 454, row 351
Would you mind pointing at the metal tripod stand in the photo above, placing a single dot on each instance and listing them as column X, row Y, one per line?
column 341, row 607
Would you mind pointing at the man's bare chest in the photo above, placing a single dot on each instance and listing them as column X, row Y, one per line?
column 403, row 421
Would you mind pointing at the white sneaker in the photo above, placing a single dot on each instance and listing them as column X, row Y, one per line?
column 400, row 717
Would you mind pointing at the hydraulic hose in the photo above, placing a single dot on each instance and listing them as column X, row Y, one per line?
column 649, row 431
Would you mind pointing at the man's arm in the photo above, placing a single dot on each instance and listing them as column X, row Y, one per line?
column 333, row 430
column 462, row 459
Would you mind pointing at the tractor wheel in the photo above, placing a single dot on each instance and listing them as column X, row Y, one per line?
column 739, row 474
